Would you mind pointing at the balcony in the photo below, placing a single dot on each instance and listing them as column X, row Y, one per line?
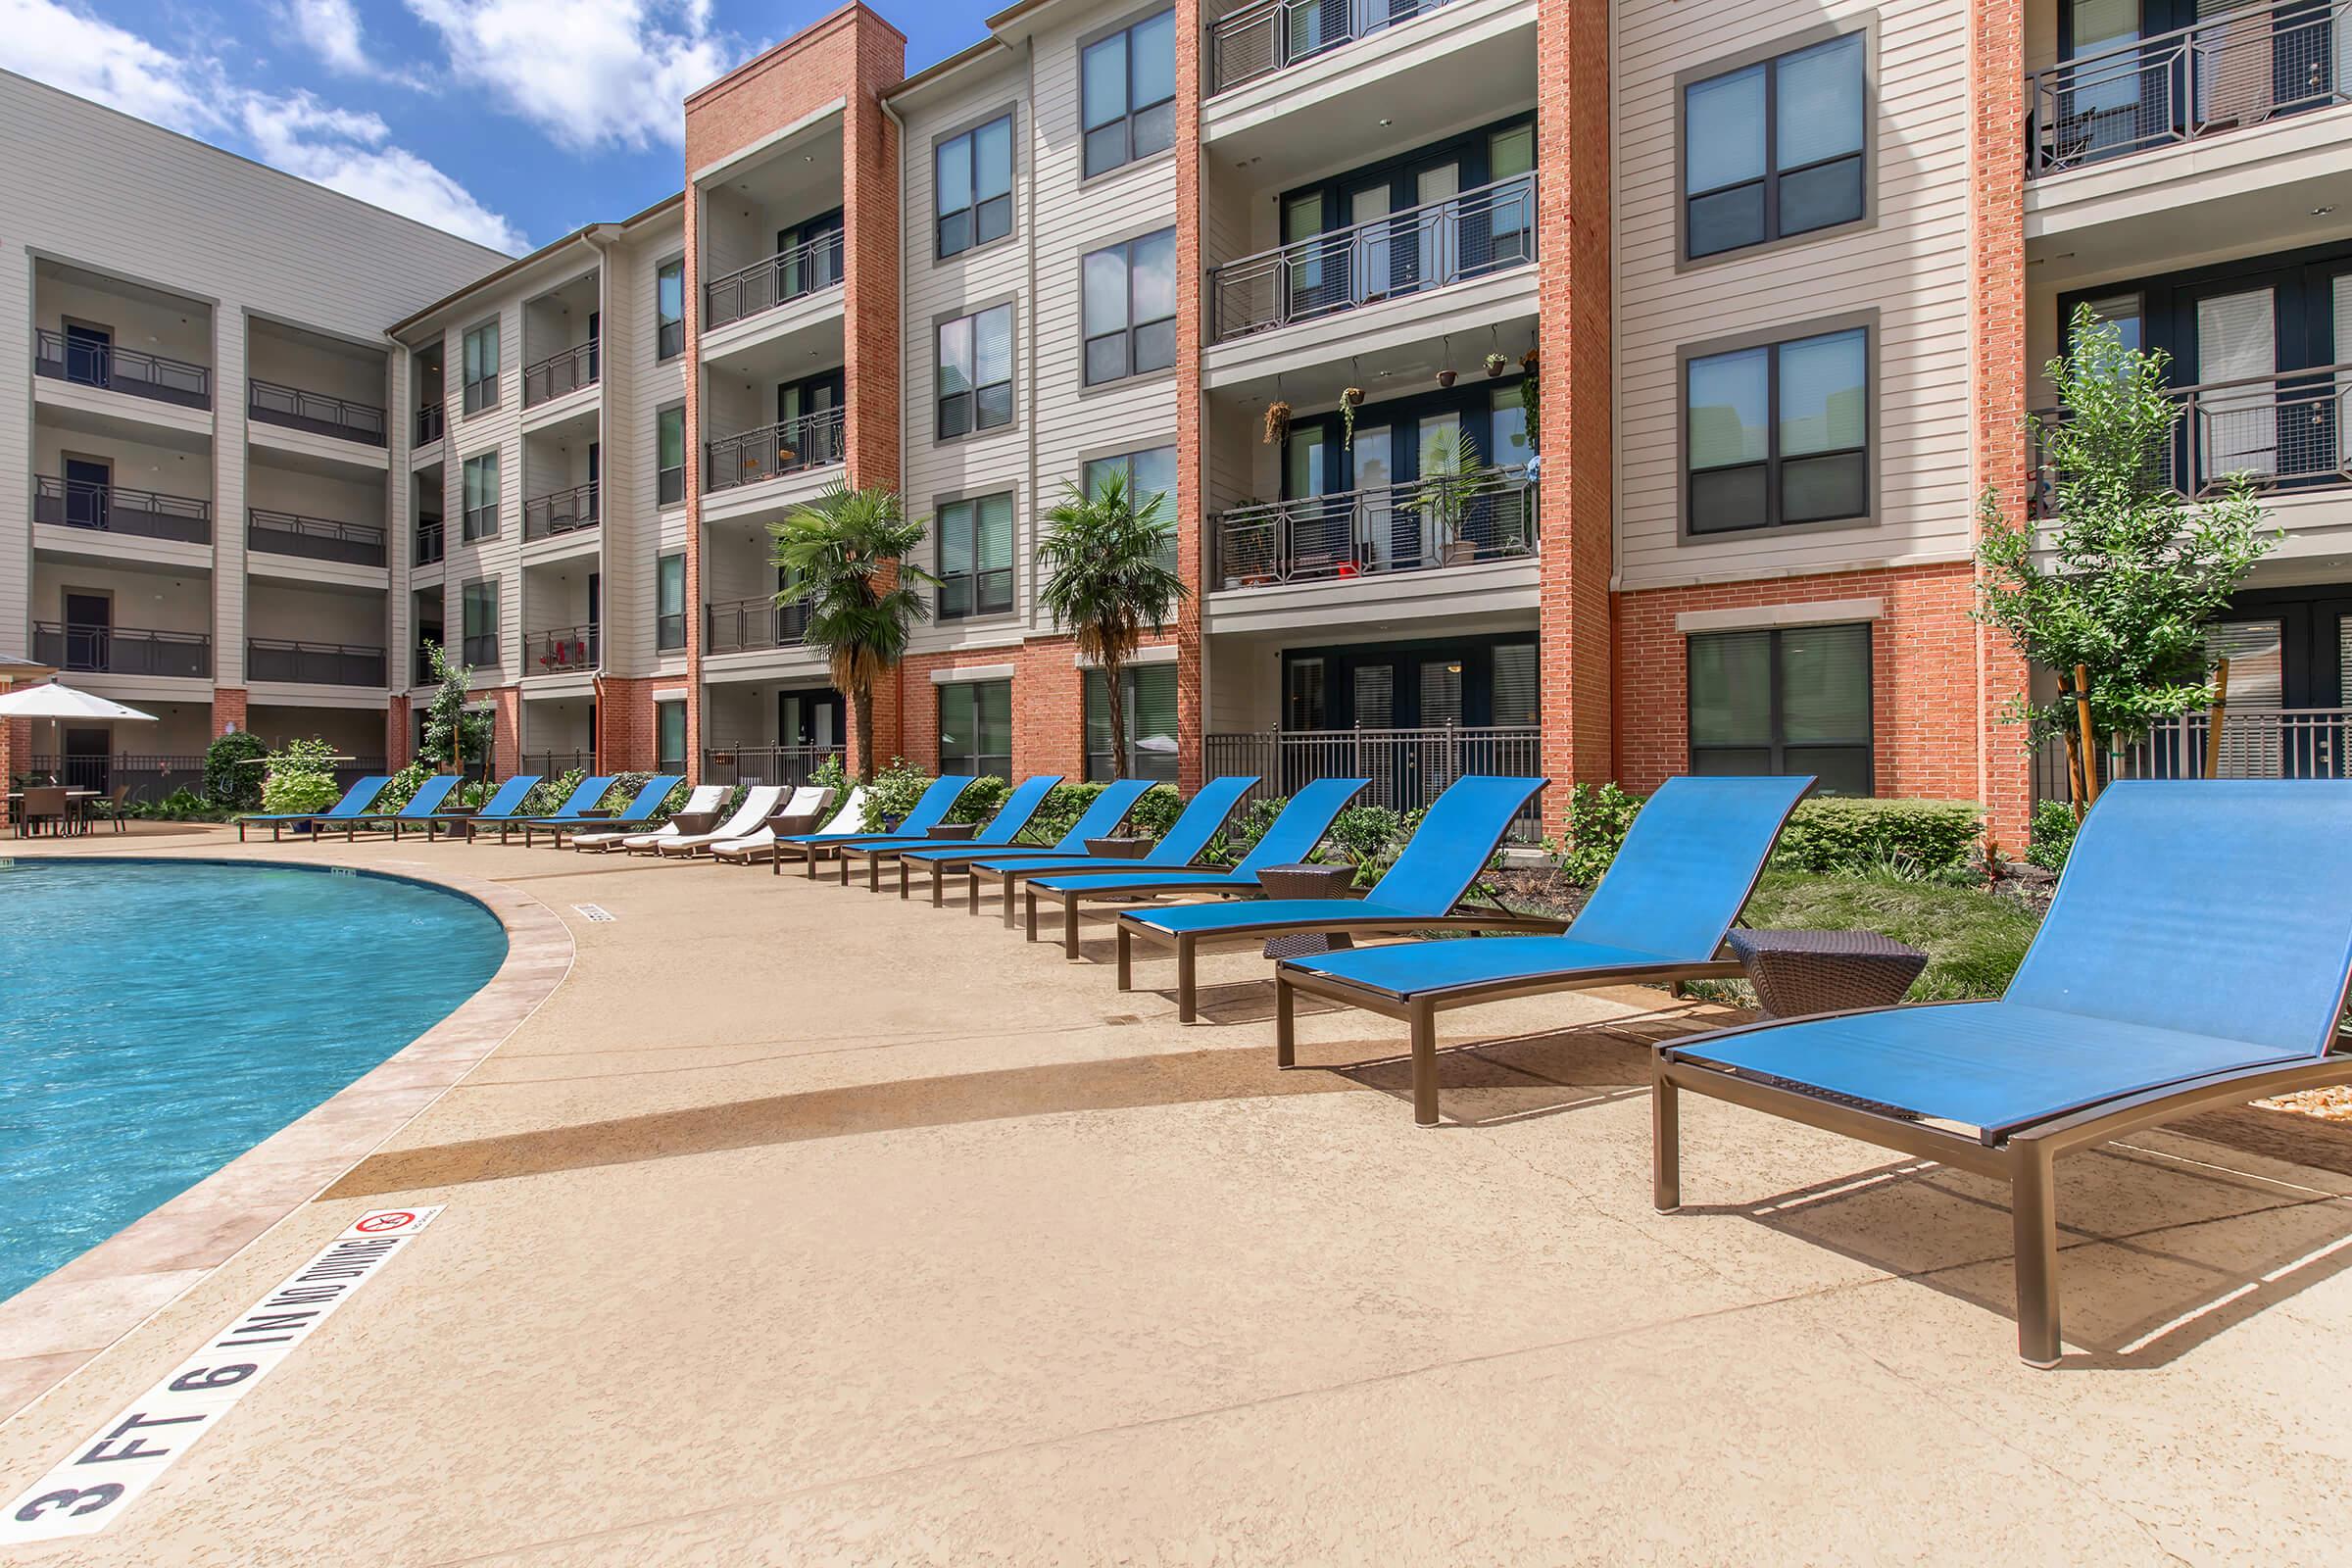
column 787, row 275
column 432, row 542
column 120, row 370
column 748, row 625
column 433, row 422
column 2285, row 431
column 286, row 533
column 124, row 650
column 309, row 663
column 317, row 413
column 562, row 650
column 1407, row 767
column 808, row 442
column 565, row 371
column 1260, row 39
column 1475, row 234
column 2229, row 73
column 1484, row 516
column 120, row 509
column 562, row 512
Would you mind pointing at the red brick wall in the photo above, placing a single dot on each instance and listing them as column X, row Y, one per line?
column 627, row 738
column 506, row 728
column 1190, row 409
column 1923, row 673
column 1572, row 131
column 854, row 56
column 396, row 733
column 1048, row 711
column 228, row 708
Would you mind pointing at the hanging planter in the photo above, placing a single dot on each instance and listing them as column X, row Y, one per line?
column 1527, row 361
column 1350, row 401
column 1278, row 422
column 1446, row 378
column 1497, row 362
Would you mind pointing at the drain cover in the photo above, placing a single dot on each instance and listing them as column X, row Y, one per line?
column 594, row 914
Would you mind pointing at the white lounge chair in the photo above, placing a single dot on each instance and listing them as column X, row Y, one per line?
column 706, row 798
column 758, row 804
column 754, row 848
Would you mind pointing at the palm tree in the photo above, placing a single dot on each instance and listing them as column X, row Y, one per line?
column 845, row 554
column 1107, row 578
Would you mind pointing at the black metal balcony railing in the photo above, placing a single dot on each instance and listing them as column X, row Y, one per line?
column 432, row 542
column 555, row 762
column 2285, row 431
column 1257, row 41
column 2226, row 73
column 120, row 509
column 669, row 632
column 312, row 663
column 482, row 649
column 1486, row 514
column 560, row 512
column 746, row 626
column 120, row 370
column 790, row 766
column 123, row 650
column 1407, row 767
column 274, row 403
column 1448, row 241
column 807, row 442
column 433, row 420
column 285, row 533
column 562, row 650
column 805, row 269
column 420, row 663
column 564, row 370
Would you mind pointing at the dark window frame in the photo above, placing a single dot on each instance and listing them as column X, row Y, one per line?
column 1130, row 331
column 967, row 692
column 1125, row 122
column 664, row 640
column 1773, row 463
column 986, row 598
column 468, row 532
column 474, row 641
column 971, row 397
column 668, row 330
column 1162, row 767
column 968, row 140
column 1777, row 743
column 1767, row 60
column 669, row 480
column 481, row 392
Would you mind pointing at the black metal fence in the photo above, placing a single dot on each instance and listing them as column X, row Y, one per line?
column 1407, row 767
column 150, row 775
column 788, row 765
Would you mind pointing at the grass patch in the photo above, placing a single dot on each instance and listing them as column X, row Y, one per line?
column 1973, row 940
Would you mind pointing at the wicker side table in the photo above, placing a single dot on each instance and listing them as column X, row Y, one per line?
column 1119, row 848
column 693, row 823
column 1307, row 882
column 1801, row 972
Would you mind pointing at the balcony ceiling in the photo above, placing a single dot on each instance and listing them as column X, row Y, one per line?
column 795, row 180
column 122, row 289
column 761, row 362
column 1384, row 369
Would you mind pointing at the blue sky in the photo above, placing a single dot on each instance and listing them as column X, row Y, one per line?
column 509, row 122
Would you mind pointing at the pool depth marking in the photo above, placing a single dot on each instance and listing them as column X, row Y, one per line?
column 593, row 914
column 99, row 1481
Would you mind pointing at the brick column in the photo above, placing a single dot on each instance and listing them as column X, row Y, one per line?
column 397, row 736
column 1191, row 409
column 228, row 709
column 506, row 729
column 1572, row 209
column 1997, row 295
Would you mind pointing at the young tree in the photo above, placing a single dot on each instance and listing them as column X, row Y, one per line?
column 846, row 556
column 452, row 734
column 1107, row 578
column 2132, row 572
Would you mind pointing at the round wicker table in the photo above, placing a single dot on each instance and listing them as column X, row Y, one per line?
column 1307, row 882
column 1119, row 848
column 1801, row 972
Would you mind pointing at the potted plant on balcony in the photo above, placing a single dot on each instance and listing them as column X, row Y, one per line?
column 1450, row 472
column 1278, row 422
column 1350, row 401
column 1497, row 362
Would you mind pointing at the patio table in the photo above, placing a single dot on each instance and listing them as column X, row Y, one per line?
column 1307, row 882
column 1799, row 972
column 1119, row 846
column 77, row 807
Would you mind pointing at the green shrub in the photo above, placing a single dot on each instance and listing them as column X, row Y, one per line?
column 2053, row 835
column 1245, row 828
column 182, row 806
column 403, row 787
column 1838, row 836
column 893, row 794
column 548, row 796
column 833, row 773
column 1059, row 811
column 1599, row 818
column 626, row 785
column 300, row 776
column 1155, row 812
column 980, row 799
column 232, row 774
column 1368, row 838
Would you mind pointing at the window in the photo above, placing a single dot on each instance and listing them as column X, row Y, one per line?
column 1149, row 696
column 1774, row 149
column 482, row 497
column 1779, row 435
column 481, row 622
column 975, row 373
column 975, row 728
column 669, row 310
column 1131, row 308
column 1128, row 93
column 972, row 187
column 1791, row 701
column 669, row 737
column 669, row 603
column 481, row 368
column 1148, row 473
column 670, row 462
column 975, row 557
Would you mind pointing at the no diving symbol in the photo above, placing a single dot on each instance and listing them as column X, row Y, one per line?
column 390, row 1219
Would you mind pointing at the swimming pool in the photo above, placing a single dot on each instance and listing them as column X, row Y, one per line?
column 158, row 1018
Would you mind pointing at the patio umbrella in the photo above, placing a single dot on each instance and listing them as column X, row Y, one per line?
column 57, row 704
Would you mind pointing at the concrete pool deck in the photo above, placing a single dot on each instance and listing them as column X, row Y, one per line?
column 800, row 1224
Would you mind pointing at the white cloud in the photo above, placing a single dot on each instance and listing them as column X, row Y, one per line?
column 61, row 43
column 589, row 72
column 332, row 27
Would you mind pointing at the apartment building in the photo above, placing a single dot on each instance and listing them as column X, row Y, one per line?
column 1604, row 392
column 204, row 475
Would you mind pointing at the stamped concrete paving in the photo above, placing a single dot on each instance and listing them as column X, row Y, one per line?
column 804, row 1225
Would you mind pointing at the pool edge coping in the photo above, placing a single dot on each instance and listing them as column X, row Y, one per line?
column 67, row 1318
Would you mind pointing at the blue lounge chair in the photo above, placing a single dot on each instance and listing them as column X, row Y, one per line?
column 998, row 830
column 421, row 805
column 1686, row 869
column 505, row 802
column 642, row 808
column 1178, row 850
column 1101, row 817
column 2196, row 956
column 1457, row 836
column 930, row 809
column 356, row 800
column 583, row 799
column 1290, row 839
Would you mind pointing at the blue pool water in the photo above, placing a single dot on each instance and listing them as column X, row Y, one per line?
column 158, row 1018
